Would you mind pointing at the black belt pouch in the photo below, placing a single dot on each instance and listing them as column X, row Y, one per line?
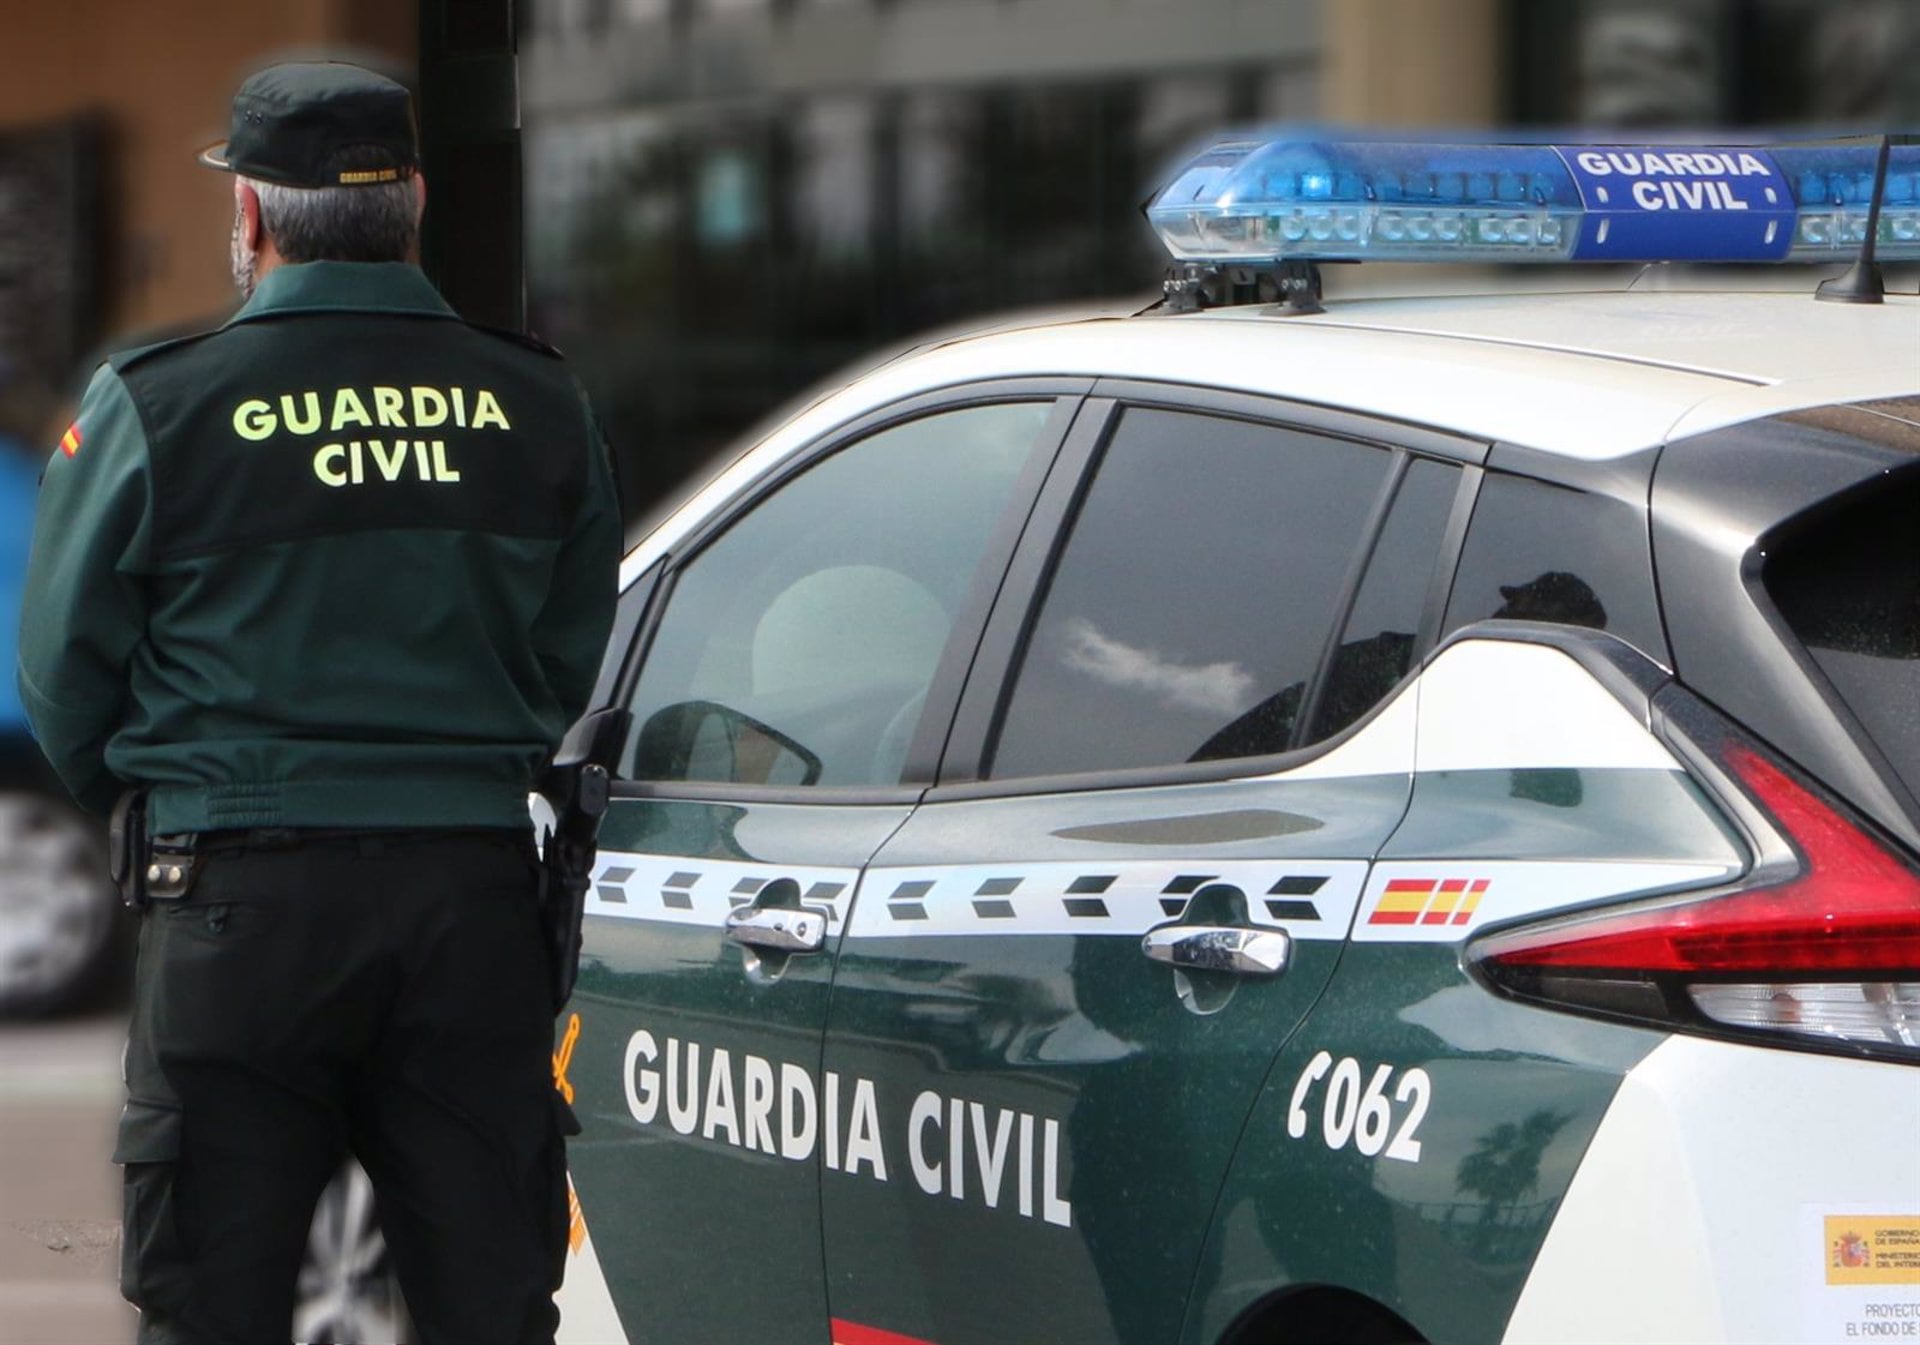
column 127, row 847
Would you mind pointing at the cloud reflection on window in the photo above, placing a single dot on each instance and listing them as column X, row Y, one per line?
column 1213, row 688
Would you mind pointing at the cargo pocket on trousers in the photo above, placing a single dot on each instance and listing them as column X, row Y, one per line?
column 153, row 1255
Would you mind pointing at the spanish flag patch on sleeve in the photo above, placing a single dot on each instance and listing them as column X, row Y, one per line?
column 70, row 441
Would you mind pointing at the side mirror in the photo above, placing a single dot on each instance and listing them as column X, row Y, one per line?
column 705, row 740
column 594, row 740
column 595, row 737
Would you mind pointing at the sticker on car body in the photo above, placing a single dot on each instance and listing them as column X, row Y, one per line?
column 1424, row 902
column 1861, row 1269
column 1381, row 1116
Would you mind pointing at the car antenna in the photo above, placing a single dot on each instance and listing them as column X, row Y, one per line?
column 1864, row 282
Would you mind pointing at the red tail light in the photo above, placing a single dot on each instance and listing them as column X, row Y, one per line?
column 1824, row 949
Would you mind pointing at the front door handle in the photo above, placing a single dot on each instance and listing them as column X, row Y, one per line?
column 1244, row 952
column 780, row 929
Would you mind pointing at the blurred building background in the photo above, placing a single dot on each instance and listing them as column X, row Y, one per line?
column 106, row 228
column 727, row 199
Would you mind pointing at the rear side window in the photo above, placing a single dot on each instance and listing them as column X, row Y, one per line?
column 1537, row 552
column 1382, row 634
column 1194, row 598
column 1848, row 585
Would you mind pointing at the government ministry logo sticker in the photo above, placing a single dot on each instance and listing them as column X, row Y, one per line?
column 1860, row 1273
column 1873, row 1249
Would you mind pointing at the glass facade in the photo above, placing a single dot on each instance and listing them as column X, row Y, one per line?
column 730, row 199
column 1624, row 63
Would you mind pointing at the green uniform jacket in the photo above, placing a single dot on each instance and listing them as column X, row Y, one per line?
column 343, row 562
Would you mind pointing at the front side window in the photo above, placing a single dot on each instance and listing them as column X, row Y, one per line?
column 798, row 648
column 1194, row 598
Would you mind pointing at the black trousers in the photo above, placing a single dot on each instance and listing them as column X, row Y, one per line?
column 384, row 995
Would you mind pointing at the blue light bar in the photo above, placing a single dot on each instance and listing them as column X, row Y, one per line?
column 1251, row 201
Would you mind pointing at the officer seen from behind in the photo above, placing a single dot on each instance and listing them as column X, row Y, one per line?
column 324, row 587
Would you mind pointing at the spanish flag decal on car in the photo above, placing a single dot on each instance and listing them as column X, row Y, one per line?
column 70, row 441
column 1425, row 901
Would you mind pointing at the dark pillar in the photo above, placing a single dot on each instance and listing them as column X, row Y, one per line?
column 470, row 140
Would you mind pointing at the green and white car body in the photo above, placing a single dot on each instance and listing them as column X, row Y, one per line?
column 1002, row 1038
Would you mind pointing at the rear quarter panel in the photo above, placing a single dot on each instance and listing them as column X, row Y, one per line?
column 1539, row 789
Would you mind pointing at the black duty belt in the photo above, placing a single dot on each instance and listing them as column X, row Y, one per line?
column 163, row 868
column 266, row 839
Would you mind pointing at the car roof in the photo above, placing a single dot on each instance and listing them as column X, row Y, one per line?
column 1766, row 338
column 1587, row 375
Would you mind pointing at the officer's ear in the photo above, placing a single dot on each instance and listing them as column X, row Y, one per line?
column 246, row 203
column 419, row 211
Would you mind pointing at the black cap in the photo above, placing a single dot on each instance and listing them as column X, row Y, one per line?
column 319, row 124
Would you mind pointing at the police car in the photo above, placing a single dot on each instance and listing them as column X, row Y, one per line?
column 1274, row 821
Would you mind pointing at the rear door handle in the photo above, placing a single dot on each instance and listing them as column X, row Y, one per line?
column 781, row 929
column 1243, row 952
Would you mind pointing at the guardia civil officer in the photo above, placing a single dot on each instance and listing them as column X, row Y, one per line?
column 325, row 586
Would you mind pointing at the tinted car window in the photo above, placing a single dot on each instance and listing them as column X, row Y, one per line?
column 1193, row 598
column 798, row 648
column 1849, row 586
column 1536, row 552
column 1382, row 635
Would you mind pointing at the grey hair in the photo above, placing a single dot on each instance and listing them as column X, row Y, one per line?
column 378, row 223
